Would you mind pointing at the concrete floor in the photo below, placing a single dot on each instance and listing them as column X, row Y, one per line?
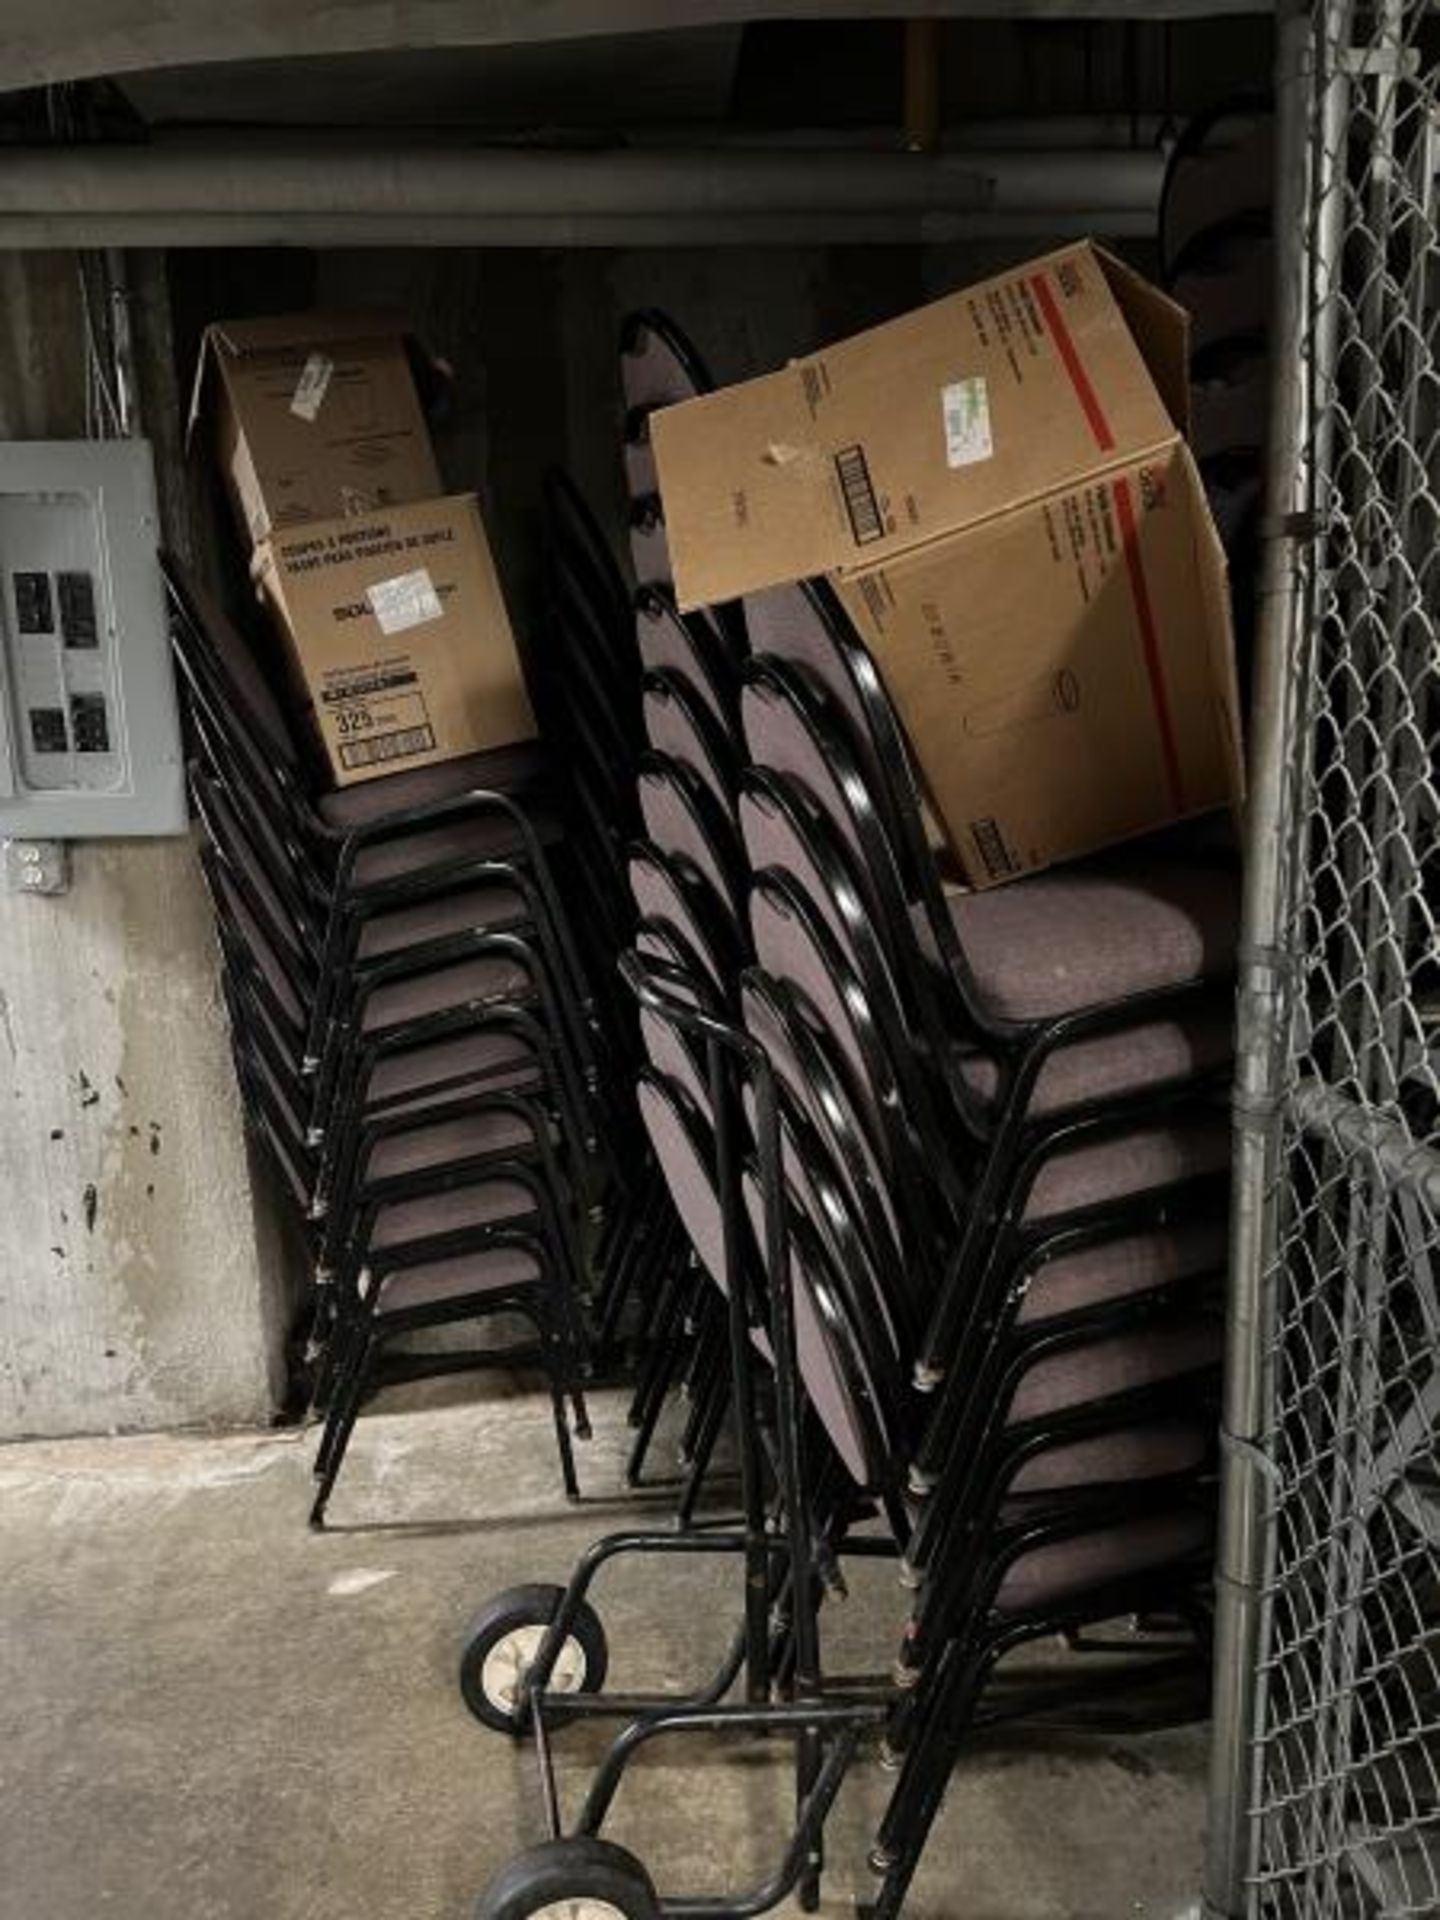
column 207, row 1713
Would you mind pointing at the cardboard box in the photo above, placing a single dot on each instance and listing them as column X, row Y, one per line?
column 999, row 488
column 397, row 633
column 315, row 415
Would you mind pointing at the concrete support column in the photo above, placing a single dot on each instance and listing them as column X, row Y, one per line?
column 140, row 1284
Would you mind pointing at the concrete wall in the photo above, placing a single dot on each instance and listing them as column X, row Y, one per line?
column 134, row 1288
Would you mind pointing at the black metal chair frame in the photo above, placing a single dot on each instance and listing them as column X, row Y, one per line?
column 825, row 1723
column 1021, row 1049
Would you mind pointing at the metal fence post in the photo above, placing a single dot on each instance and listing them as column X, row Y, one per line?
column 1326, row 1757
column 1261, row 1002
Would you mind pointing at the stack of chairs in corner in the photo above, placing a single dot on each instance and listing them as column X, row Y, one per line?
column 1003, row 1164
column 415, row 1035
column 1022, row 1092
column 686, row 873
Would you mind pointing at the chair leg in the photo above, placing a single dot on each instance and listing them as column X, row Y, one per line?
column 550, row 1319
column 333, row 1356
column 340, row 1423
column 658, row 1374
column 661, row 1372
column 706, row 1438
column 924, row 1777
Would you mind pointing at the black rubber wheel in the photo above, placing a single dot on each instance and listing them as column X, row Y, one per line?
column 500, row 1647
column 570, row 1880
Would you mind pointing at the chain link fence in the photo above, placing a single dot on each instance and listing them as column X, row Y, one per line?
column 1327, row 1767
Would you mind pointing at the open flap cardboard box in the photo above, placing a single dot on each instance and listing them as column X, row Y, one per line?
column 998, row 486
column 396, row 629
column 315, row 415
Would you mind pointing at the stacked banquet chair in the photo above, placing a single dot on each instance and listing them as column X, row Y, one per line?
column 588, row 691
column 686, row 871
column 955, row 1164
column 621, row 676
column 1216, row 216
column 414, row 1036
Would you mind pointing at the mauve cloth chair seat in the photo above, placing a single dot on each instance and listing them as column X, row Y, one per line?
column 1083, row 936
column 481, row 1203
column 1123, row 1061
column 423, row 1149
column 482, row 836
column 440, row 989
column 1125, row 1266
column 496, row 1270
column 498, row 1061
column 510, row 769
column 1120, row 1363
column 1064, row 1570
column 471, row 909
column 1126, row 1165
column 1153, row 1451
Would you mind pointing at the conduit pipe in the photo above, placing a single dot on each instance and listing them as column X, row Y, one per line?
column 306, row 193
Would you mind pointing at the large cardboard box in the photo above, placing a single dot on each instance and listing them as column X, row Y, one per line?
column 398, row 636
column 315, row 415
column 999, row 489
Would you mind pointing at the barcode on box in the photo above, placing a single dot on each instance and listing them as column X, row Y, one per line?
column 990, row 844
column 860, row 501
column 387, row 746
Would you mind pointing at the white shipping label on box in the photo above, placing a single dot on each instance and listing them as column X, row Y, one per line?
column 409, row 600
column 312, row 386
column 966, row 406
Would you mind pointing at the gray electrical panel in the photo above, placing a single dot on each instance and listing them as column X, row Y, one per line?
column 89, row 725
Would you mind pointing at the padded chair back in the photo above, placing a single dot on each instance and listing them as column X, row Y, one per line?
column 659, row 364
column 666, row 893
column 919, row 1163
column 805, row 1070
column 679, row 724
column 274, row 904
column 692, row 644
column 683, row 819
column 585, row 552
column 1222, row 167
column 806, row 626
column 684, row 1151
column 212, row 648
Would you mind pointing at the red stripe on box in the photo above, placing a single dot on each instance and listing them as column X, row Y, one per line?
column 1079, row 379
column 1149, row 639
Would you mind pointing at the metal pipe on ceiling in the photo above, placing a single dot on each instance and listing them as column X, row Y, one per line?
column 307, row 193
column 37, row 232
